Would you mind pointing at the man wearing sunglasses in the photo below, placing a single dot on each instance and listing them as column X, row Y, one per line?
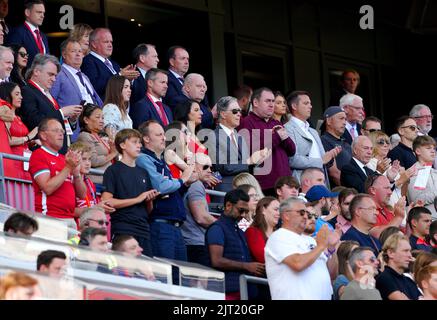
column 227, row 246
column 370, row 124
column 364, row 266
column 298, row 266
column 408, row 131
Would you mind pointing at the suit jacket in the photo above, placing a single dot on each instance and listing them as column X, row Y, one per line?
column 347, row 136
column 353, row 177
column 174, row 90
column 301, row 160
column 98, row 73
column 227, row 159
column 35, row 107
column 66, row 92
column 144, row 110
column 138, row 89
column 23, row 37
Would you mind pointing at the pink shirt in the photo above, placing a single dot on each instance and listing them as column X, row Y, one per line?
column 343, row 223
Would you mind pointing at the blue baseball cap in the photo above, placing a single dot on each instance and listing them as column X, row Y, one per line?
column 332, row 111
column 318, row 192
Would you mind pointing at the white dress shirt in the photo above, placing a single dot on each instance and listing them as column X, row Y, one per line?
column 83, row 92
column 315, row 151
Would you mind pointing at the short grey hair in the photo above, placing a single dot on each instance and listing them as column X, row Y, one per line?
column 190, row 78
column 87, row 214
column 3, row 49
column 414, row 112
column 289, row 203
column 348, row 99
column 356, row 255
column 40, row 62
column 223, row 104
column 94, row 35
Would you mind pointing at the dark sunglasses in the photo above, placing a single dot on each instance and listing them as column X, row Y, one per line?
column 382, row 141
column 23, row 54
column 312, row 215
column 235, row 111
column 206, row 167
column 371, row 130
column 100, row 222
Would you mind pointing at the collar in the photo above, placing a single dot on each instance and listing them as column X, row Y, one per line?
column 39, row 87
column 98, row 56
column 49, row 151
column 177, row 76
column 142, row 71
column 151, row 153
column 227, row 130
column 71, row 69
column 342, row 220
column 330, row 135
column 304, row 125
column 154, row 99
column 360, row 164
column 31, row 26
column 403, row 146
column 229, row 220
column 258, row 118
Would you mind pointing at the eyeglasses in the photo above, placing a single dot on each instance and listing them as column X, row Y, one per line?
column 301, row 212
column 243, row 210
column 412, row 127
column 235, row 111
column 312, row 215
column 431, row 116
column 383, row 141
column 23, row 54
column 100, row 222
column 206, row 167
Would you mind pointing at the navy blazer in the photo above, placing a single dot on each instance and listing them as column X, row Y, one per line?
column 23, row 37
column 138, row 89
column 353, row 177
column 35, row 107
column 98, row 73
column 347, row 136
column 144, row 110
column 174, row 91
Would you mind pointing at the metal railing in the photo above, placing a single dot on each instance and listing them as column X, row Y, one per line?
column 244, row 280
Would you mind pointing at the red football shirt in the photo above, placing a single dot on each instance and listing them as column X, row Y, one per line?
column 61, row 203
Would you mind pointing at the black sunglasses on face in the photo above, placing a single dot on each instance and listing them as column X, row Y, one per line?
column 235, row 111
column 100, row 222
column 206, row 167
column 243, row 210
column 382, row 141
column 23, row 54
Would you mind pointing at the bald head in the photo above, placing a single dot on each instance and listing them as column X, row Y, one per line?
column 195, row 87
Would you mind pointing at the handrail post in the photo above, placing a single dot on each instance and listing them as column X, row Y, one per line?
column 2, row 180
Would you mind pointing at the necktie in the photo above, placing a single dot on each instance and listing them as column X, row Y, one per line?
column 162, row 114
column 109, row 65
column 79, row 74
column 352, row 132
column 234, row 141
column 39, row 42
column 4, row 26
column 181, row 80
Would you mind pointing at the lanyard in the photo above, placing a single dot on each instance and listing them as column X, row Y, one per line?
column 90, row 188
column 96, row 136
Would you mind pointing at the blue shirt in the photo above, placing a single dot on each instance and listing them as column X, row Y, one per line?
column 365, row 240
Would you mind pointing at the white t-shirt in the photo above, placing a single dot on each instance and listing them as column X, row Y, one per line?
column 313, row 283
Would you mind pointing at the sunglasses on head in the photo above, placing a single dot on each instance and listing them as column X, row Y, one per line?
column 382, row 141
column 235, row 111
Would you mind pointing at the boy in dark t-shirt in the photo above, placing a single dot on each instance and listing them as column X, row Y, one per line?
column 126, row 188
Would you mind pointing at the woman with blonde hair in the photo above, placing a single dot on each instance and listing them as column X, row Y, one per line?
column 381, row 163
column 81, row 33
column 247, row 178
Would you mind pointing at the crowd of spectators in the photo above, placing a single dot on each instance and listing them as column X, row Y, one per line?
column 321, row 214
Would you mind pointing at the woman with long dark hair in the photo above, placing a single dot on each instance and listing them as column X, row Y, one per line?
column 21, row 58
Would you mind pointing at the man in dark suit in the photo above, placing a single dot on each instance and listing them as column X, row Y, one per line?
column 354, row 174
column 230, row 154
column 350, row 79
column 353, row 106
column 38, row 103
column 6, row 63
column 4, row 10
column 28, row 35
column 71, row 85
column 179, row 63
column 98, row 66
column 147, row 58
column 151, row 106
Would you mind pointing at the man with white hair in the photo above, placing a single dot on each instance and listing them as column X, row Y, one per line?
column 6, row 63
column 354, row 174
column 298, row 266
column 423, row 116
column 353, row 106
